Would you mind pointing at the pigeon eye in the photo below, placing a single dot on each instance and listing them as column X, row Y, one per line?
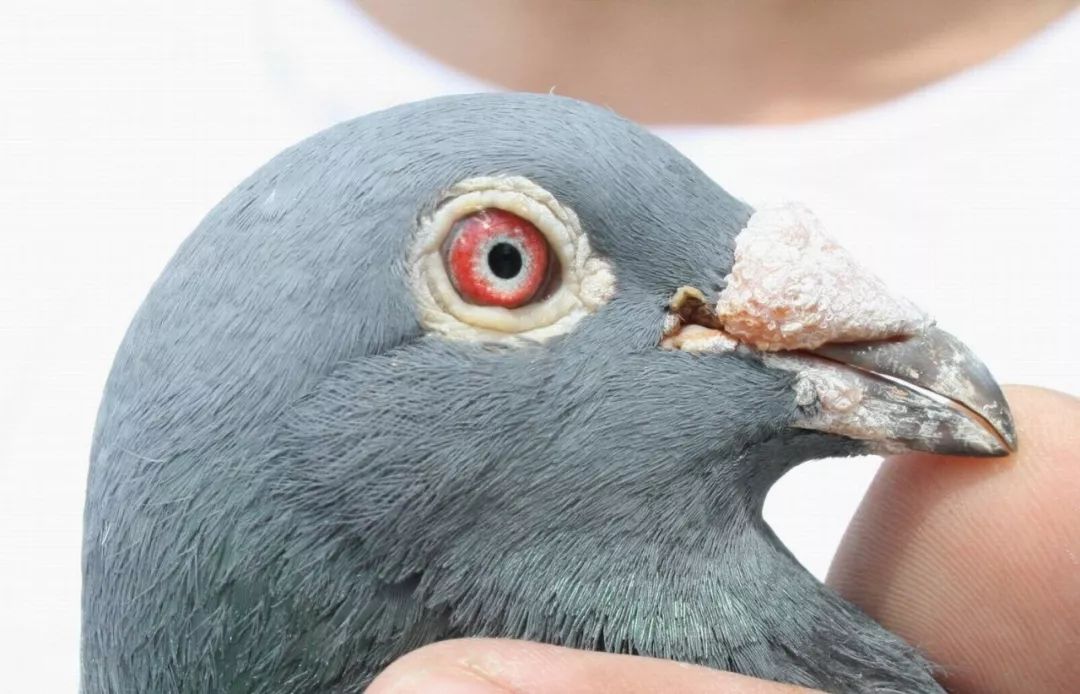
column 495, row 258
column 500, row 259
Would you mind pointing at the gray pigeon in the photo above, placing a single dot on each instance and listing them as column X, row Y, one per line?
column 500, row 365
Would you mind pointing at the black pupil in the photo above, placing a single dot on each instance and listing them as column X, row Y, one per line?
column 504, row 259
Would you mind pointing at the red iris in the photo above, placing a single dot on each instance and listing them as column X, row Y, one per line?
column 495, row 258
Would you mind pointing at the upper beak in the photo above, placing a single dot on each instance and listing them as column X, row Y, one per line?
column 868, row 365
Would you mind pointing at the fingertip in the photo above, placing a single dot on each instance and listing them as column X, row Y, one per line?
column 498, row 666
column 1049, row 425
column 443, row 667
column 975, row 560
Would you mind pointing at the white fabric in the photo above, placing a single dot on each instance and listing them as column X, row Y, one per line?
column 122, row 123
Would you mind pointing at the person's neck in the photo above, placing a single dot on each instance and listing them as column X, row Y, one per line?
column 768, row 61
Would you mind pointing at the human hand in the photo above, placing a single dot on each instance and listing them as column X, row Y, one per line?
column 974, row 561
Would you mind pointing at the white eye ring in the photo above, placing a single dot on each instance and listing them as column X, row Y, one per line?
column 585, row 284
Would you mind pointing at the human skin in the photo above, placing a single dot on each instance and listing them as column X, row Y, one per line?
column 975, row 561
column 722, row 61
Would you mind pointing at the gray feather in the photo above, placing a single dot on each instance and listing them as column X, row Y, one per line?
column 291, row 484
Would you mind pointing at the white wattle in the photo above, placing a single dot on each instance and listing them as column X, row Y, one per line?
column 793, row 287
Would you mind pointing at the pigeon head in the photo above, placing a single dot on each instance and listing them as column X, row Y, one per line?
column 499, row 365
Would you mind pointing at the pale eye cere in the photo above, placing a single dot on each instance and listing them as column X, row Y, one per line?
column 502, row 260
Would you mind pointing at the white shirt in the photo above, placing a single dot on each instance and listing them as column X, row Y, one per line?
column 122, row 123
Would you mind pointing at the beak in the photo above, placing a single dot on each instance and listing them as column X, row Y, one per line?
column 927, row 392
column 868, row 365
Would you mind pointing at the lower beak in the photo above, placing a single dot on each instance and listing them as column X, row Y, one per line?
column 869, row 365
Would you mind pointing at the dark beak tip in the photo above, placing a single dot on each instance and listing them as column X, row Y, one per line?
column 1000, row 418
column 1008, row 434
column 1000, row 449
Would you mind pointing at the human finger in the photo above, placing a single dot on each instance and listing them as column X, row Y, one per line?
column 501, row 666
column 977, row 562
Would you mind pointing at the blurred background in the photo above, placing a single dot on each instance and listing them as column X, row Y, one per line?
column 937, row 140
